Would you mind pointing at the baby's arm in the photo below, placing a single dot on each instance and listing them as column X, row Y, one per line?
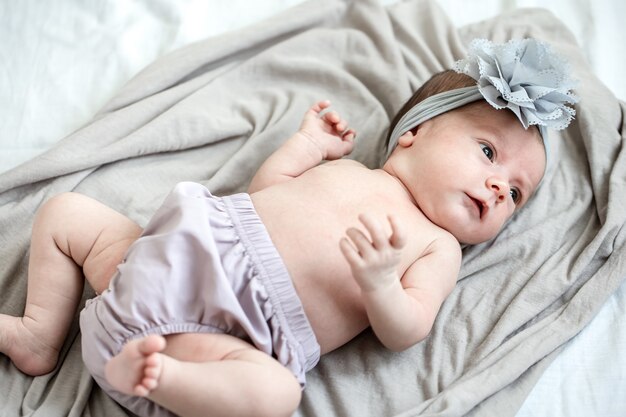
column 401, row 311
column 319, row 138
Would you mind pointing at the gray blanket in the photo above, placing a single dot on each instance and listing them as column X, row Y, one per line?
column 213, row 111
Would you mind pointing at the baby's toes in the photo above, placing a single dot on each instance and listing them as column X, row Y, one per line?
column 153, row 367
column 150, row 383
column 140, row 390
column 152, row 370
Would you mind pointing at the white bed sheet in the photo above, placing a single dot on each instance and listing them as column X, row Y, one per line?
column 109, row 41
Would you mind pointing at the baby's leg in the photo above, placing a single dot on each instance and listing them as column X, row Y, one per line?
column 205, row 374
column 72, row 234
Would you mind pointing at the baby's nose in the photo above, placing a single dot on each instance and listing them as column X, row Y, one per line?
column 499, row 187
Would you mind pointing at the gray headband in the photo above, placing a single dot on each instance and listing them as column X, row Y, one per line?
column 524, row 76
column 431, row 107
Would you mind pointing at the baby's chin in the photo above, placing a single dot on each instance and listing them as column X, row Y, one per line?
column 473, row 238
column 468, row 231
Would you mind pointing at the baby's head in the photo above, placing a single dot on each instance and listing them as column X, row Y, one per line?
column 467, row 161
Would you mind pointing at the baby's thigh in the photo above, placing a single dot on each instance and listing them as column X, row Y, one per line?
column 108, row 252
column 94, row 235
column 283, row 390
column 203, row 347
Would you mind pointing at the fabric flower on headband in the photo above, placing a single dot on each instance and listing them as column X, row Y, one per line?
column 524, row 76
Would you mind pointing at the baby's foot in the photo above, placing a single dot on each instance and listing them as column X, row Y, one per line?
column 29, row 353
column 137, row 368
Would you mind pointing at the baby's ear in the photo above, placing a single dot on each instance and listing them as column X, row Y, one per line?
column 407, row 138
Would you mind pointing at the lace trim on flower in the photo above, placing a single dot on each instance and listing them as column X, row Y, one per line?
column 525, row 76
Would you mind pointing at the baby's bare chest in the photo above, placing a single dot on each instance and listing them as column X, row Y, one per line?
column 306, row 218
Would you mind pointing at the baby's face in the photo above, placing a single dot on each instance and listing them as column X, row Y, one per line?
column 472, row 168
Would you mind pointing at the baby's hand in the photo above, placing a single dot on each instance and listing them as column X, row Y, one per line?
column 330, row 133
column 374, row 263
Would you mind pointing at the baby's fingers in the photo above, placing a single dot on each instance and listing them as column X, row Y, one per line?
column 375, row 229
column 321, row 107
column 333, row 118
column 350, row 253
column 330, row 116
column 360, row 241
column 341, row 126
column 343, row 129
column 348, row 134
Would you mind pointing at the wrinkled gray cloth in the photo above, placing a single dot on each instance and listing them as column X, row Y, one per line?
column 213, row 111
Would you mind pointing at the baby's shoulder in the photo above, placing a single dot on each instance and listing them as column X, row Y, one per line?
column 343, row 163
column 445, row 242
column 440, row 243
column 438, row 263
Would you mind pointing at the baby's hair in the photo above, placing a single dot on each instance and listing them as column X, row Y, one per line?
column 442, row 81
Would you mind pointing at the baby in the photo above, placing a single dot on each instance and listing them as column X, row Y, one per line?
column 222, row 304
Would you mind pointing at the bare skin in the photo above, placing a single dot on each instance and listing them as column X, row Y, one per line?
column 374, row 272
column 220, row 370
column 72, row 235
column 137, row 369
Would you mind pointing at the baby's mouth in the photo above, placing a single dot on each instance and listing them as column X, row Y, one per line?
column 479, row 205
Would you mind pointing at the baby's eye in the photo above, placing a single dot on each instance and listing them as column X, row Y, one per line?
column 487, row 151
column 515, row 195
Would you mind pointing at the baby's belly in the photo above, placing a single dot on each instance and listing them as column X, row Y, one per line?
column 321, row 276
column 306, row 226
column 334, row 310
column 323, row 280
